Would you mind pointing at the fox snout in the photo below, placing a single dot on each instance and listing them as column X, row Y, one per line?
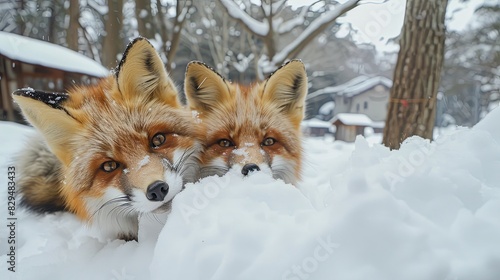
column 250, row 156
column 248, row 168
column 157, row 191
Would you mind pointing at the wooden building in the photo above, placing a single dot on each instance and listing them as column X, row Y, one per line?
column 27, row 62
column 361, row 95
column 348, row 126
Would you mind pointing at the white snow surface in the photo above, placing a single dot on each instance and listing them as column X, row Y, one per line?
column 38, row 52
column 426, row 211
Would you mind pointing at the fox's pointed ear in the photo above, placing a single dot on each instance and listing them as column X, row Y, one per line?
column 204, row 88
column 45, row 112
column 141, row 75
column 287, row 89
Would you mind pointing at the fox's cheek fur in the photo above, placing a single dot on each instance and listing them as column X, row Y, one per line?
column 113, row 220
column 275, row 160
column 135, row 177
column 250, row 114
column 131, row 118
column 285, row 169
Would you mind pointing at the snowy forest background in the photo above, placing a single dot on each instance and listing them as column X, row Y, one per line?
column 245, row 40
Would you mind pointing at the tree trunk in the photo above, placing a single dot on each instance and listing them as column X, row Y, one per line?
column 417, row 74
column 269, row 40
column 143, row 16
column 180, row 18
column 21, row 24
column 52, row 24
column 112, row 40
column 72, row 31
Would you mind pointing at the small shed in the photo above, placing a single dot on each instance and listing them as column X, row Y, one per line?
column 350, row 125
column 28, row 62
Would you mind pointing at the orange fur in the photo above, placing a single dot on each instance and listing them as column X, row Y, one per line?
column 115, row 121
column 247, row 116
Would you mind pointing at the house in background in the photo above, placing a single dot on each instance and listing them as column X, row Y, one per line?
column 369, row 96
column 27, row 62
column 361, row 95
column 362, row 102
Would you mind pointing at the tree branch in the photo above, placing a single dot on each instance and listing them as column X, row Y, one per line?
column 254, row 26
column 314, row 29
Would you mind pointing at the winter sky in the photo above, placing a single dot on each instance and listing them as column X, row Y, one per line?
column 376, row 22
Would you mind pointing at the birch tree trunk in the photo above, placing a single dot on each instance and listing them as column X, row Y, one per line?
column 412, row 103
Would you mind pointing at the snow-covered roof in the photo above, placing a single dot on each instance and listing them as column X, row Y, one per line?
column 316, row 123
column 353, row 87
column 327, row 108
column 380, row 124
column 352, row 119
column 38, row 52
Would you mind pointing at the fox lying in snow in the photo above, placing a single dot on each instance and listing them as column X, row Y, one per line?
column 122, row 148
column 256, row 127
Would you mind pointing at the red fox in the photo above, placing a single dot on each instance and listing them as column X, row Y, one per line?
column 112, row 151
column 256, row 127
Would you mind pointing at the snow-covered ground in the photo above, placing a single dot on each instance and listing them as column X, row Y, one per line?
column 427, row 211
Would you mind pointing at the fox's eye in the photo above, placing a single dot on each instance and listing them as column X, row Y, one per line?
column 109, row 166
column 225, row 143
column 158, row 140
column 268, row 141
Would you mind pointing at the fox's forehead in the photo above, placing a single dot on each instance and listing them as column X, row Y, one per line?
column 108, row 122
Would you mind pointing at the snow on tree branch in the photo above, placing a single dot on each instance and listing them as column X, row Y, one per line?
column 289, row 25
column 272, row 8
column 316, row 26
column 253, row 25
column 101, row 9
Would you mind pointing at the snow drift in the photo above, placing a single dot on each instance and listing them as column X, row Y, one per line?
column 427, row 211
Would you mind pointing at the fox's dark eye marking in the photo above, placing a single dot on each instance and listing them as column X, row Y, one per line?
column 109, row 166
column 225, row 143
column 158, row 140
column 269, row 141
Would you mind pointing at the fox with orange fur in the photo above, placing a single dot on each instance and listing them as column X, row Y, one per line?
column 111, row 152
column 254, row 127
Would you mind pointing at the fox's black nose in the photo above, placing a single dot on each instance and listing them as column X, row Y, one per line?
column 157, row 191
column 249, row 167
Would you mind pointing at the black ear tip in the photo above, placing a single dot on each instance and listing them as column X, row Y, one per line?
column 297, row 62
column 53, row 99
column 137, row 39
column 202, row 64
column 196, row 62
column 24, row 92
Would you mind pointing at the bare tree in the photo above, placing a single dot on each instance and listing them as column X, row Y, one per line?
column 72, row 31
column 412, row 106
column 272, row 26
column 143, row 14
column 170, row 31
column 473, row 55
column 113, row 29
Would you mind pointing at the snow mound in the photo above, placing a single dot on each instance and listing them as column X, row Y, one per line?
column 425, row 211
